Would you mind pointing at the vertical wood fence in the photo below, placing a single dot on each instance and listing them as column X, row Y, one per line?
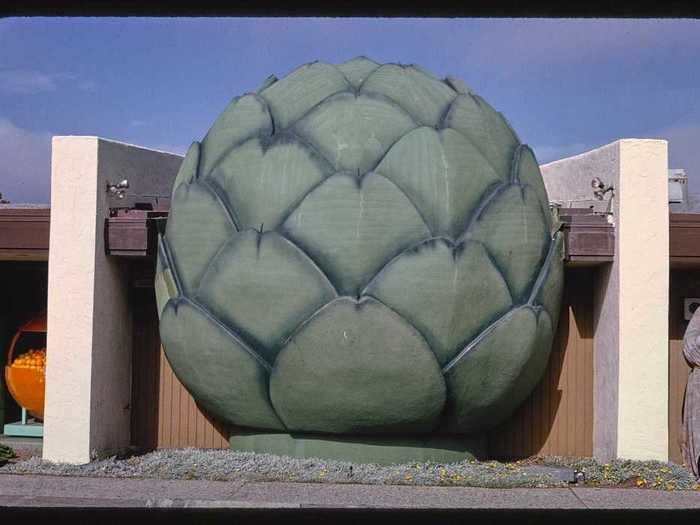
column 683, row 283
column 557, row 418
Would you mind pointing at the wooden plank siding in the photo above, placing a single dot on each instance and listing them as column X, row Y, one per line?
column 24, row 232
column 683, row 283
column 164, row 414
column 556, row 419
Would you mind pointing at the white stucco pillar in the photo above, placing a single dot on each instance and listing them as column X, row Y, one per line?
column 89, row 331
column 643, row 248
column 630, row 383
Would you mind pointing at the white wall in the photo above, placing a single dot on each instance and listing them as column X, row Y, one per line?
column 630, row 398
column 89, row 332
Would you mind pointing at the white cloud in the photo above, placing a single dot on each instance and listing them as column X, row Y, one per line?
column 25, row 170
column 24, row 82
column 31, row 82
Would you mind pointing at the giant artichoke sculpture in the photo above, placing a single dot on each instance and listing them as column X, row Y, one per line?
column 359, row 250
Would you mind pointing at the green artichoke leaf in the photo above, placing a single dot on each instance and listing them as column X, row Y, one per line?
column 486, row 129
column 165, row 285
column 264, row 286
column 449, row 293
column 549, row 287
column 188, row 171
column 354, row 133
column 198, row 225
column 444, row 175
column 244, row 118
column 224, row 375
column 357, row 367
column 352, row 226
column 357, row 70
column 296, row 94
column 425, row 97
column 494, row 374
column 458, row 85
column 526, row 170
column 266, row 83
column 514, row 230
column 264, row 180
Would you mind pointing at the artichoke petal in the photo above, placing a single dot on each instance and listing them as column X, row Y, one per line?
column 264, row 180
column 444, row 175
column 245, row 117
column 165, row 285
column 458, row 85
column 225, row 376
column 486, row 381
column 354, row 133
column 548, row 291
column 357, row 70
column 188, row 169
column 527, row 172
column 197, row 226
column 485, row 128
column 264, row 286
column 357, row 367
column 449, row 293
column 425, row 97
column 305, row 87
column 514, row 230
column 385, row 222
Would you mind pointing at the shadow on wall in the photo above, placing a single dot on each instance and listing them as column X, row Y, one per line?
column 557, row 418
column 164, row 414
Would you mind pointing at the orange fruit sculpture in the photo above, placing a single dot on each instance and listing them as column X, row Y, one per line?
column 25, row 372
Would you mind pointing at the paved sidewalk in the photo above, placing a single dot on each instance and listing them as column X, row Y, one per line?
column 22, row 491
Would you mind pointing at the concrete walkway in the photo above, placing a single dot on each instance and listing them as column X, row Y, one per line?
column 22, row 491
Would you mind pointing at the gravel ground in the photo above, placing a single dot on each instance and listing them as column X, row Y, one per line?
column 627, row 473
column 225, row 465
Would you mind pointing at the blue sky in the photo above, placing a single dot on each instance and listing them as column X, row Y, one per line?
column 565, row 85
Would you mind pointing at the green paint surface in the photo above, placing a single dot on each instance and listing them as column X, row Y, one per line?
column 363, row 449
column 361, row 252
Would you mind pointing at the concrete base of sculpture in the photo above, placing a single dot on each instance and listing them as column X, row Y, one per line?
column 364, row 449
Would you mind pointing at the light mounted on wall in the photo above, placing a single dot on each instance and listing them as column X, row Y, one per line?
column 600, row 188
column 118, row 189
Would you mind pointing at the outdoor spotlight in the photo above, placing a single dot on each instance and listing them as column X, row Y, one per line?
column 600, row 188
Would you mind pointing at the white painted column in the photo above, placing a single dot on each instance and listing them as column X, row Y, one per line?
column 630, row 361
column 70, row 299
column 89, row 331
column 643, row 252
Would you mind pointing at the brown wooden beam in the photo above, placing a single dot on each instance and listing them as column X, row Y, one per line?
column 132, row 233
column 589, row 238
column 684, row 239
column 24, row 232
